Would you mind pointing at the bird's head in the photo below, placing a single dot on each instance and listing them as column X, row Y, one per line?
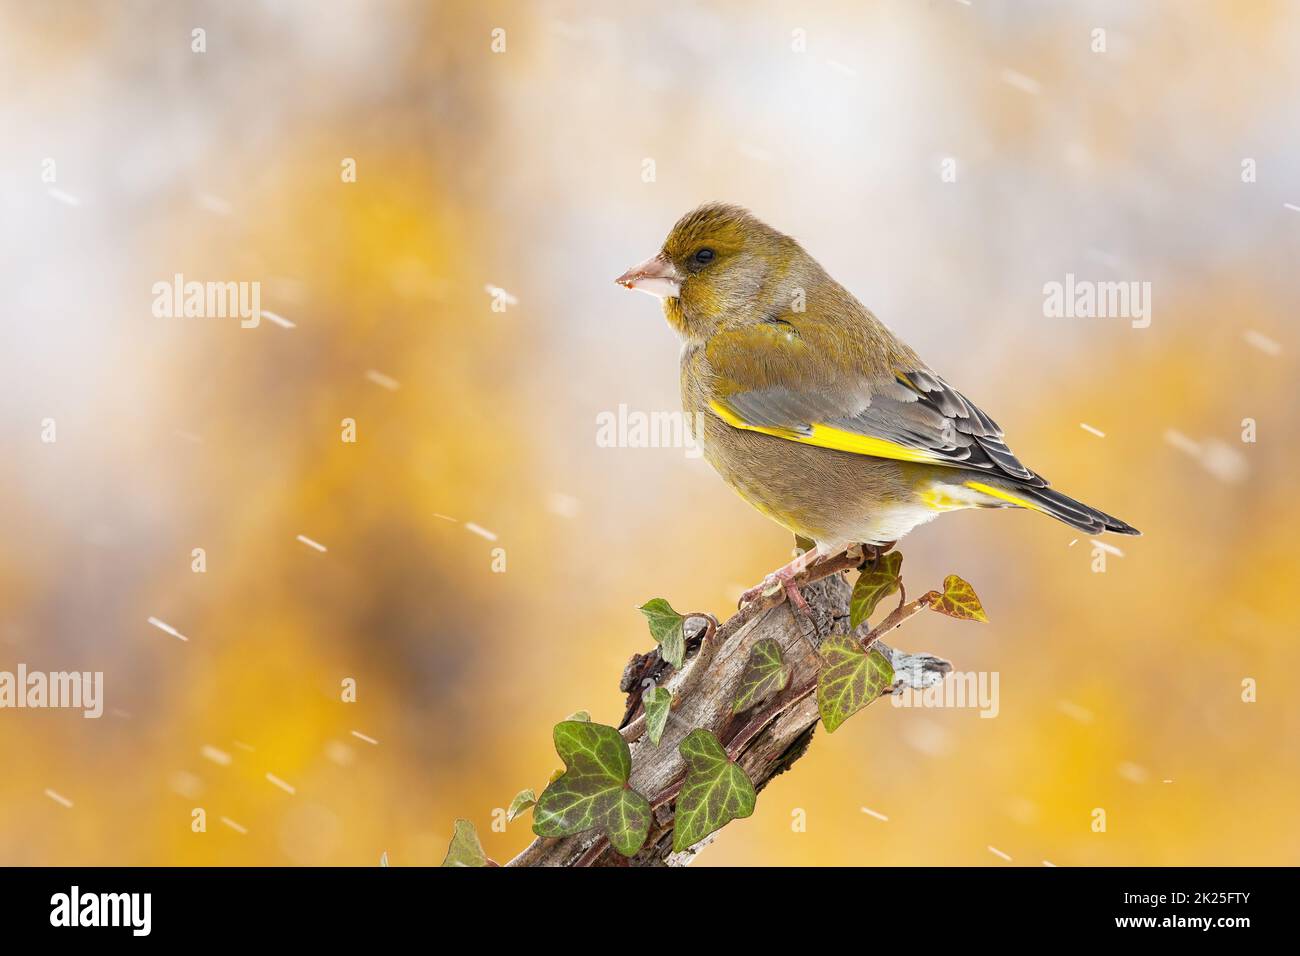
column 718, row 262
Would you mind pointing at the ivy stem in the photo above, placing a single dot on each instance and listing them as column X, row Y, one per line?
column 898, row 615
column 593, row 852
column 756, row 724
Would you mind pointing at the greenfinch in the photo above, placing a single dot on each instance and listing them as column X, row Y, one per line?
column 814, row 411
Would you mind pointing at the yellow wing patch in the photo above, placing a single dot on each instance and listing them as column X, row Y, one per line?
column 1003, row 495
column 827, row 436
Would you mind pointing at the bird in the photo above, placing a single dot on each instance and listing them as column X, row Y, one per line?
column 816, row 413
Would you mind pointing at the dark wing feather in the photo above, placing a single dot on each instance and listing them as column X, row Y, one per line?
column 969, row 419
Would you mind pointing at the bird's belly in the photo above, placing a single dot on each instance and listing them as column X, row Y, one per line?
column 835, row 498
column 887, row 525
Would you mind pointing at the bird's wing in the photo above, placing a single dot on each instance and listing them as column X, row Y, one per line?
column 770, row 379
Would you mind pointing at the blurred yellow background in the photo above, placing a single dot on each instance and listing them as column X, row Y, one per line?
column 527, row 169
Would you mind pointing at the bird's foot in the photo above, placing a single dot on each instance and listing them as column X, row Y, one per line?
column 765, row 588
column 795, row 597
column 779, row 580
column 787, row 578
column 783, row 579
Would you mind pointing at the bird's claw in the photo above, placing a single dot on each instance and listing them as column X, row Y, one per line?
column 795, row 597
column 766, row 588
column 774, row 584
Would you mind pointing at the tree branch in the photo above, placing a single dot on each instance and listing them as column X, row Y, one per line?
column 764, row 741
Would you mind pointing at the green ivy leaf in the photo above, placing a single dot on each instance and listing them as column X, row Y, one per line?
column 592, row 793
column 666, row 629
column 658, row 703
column 873, row 586
column 851, row 679
column 959, row 600
column 522, row 801
column 580, row 715
column 715, row 792
column 765, row 675
column 464, row 849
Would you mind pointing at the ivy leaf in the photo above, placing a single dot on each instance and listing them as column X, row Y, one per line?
column 666, row 629
column 580, row 715
column 592, row 793
column 873, row 586
column 658, row 703
column 851, row 679
column 715, row 792
column 464, row 849
column 959, row 600
column 765, row 675
column 522, row 801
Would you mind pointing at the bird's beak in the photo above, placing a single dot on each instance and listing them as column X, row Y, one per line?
column 657, row 276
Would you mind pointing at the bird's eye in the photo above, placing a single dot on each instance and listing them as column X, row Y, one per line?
column 703, row 256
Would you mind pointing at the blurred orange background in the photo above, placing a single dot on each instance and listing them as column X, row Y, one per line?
column 526, row 169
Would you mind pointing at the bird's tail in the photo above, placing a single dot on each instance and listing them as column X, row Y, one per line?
column 1051, row 502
